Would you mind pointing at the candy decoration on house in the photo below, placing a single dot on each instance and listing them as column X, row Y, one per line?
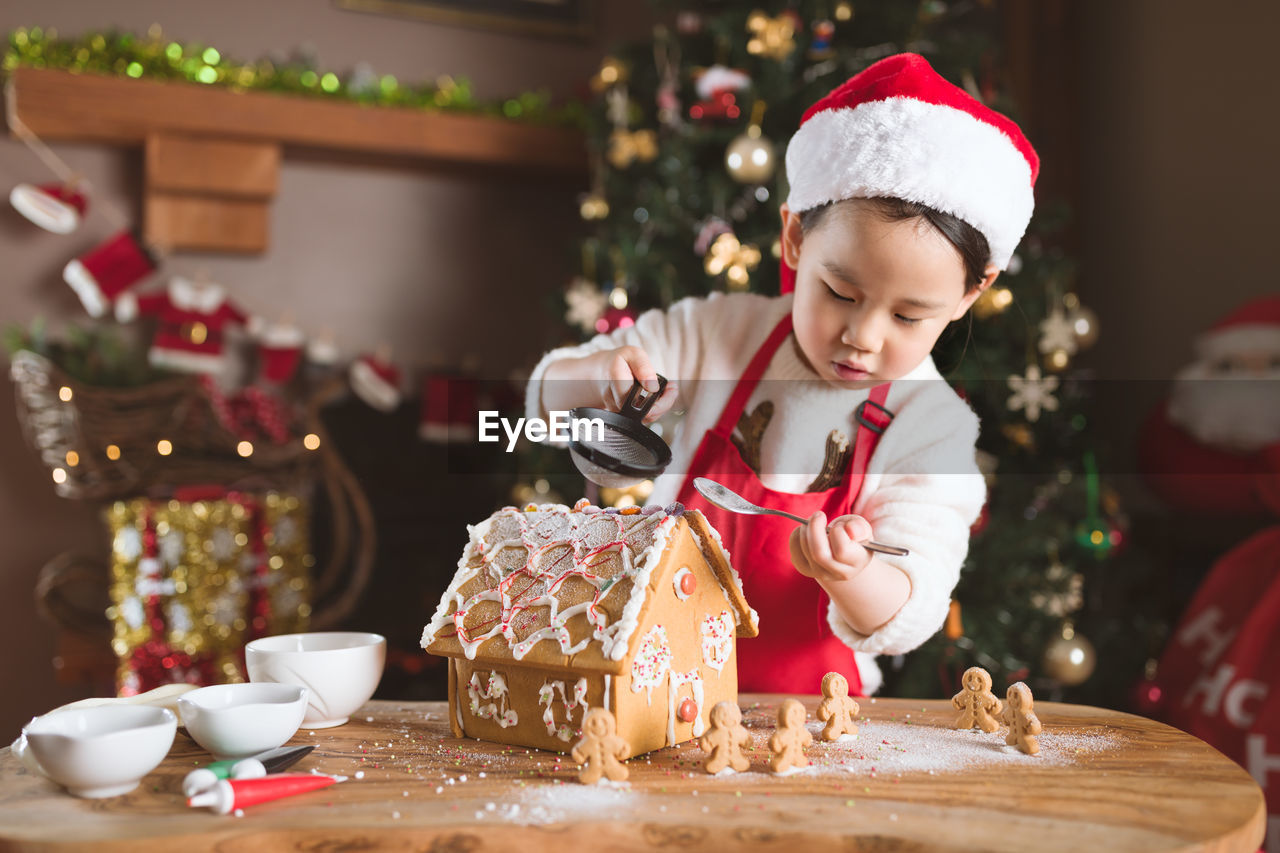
column 107, row 271
column 717, row 89
column 54, row 207
column 193, row 316
column 577, row 609
column 376, row 380
column 192, row 580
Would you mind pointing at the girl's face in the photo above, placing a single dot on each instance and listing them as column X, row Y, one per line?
column 872, row 296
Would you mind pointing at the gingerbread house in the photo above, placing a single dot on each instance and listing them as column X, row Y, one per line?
column 554, row 611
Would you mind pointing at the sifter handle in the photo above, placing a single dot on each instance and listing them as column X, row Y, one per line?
column 630, row 410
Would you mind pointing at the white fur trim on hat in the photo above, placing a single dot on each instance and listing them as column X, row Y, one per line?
column 1235, row 340
column 186, row 361
column 905, row 148
column 372, row 388
column 51, row 214
column 86, row 287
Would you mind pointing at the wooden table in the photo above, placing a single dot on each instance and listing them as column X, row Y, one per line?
column 1105, row 781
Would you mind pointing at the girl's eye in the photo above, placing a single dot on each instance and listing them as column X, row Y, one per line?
column 832, row 291
column 907, row 321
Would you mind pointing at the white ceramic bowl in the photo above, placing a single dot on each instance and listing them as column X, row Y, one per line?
column 239, row 720
column 102, row 751
column 340, row 670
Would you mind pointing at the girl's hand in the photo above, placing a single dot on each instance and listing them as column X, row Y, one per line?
column 625, row 366
column 832, row 553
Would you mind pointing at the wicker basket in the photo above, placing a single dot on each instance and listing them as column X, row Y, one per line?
column 101, row 444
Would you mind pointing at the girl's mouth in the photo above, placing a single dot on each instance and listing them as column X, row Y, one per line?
column 849, row 374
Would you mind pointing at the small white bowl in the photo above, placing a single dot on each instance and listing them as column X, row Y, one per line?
column 340, row 670
column 102, row 751
column 239, row 720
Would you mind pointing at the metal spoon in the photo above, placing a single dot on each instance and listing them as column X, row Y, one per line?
column 734, row 502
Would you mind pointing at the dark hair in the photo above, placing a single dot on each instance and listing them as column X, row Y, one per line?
column 974, row 250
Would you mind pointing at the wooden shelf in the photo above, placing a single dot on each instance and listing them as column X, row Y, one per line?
column 193, row 125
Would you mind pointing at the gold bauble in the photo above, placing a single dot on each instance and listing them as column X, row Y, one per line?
column 993, row 301
column 1070, row 659
column 750, row 158
column 1085, row 324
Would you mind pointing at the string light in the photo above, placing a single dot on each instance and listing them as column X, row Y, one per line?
column 65, row 394
column 113, row 452
column 59, row 476
column 73, row 459
column 164, row 447
column 311, row 441
column 245, row 449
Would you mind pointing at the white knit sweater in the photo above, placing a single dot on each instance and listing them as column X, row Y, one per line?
column 922, row 491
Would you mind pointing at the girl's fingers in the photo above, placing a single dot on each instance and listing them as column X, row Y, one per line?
column 663, row 404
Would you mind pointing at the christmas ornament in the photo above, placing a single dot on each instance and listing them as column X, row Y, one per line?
column 1020, row 435
column 708, row 231
column 1068, row 591
column 108, row 270
column 993, row 301
column 615, row 318
column 844, row 11
column 376, row 381
column 279, row 352
column 587, row 303
column 955, row 624
column 618, row 110
column 1057, row 333
column 717, row 89
column 592, row 206
column 771, row 37
column 1092, row 533
column 688, row 22
column 1070, row 658
column 625, row 147
column 1084, row 322
column 612, row 73
column 732, row 258
column 820, row 44
column 1032, row 393
column 193, row 315
column 54, row 207
column 450, row 407
column 750, row 157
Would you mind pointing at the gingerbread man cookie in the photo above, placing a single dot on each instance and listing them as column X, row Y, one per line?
column 1023, row 723
column 788, row 742
column 978, row 706
column 600, row 748
column 725, row 739
column 838, row 709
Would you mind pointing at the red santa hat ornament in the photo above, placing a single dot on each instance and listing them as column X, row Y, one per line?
column 898, row 129
column 376, row 381
column 108, row 270
column 279, row 352
column 54, row 207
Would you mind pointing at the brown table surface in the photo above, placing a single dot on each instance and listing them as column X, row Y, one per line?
column 1105, row 781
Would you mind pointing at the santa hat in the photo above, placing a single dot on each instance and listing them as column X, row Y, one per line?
column 54, row 207
column 898, row 129
column 106, row 271
column 1253, row 327
column 376, row 381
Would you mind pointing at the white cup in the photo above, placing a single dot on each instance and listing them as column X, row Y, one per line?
column 103, row 751
column 340, row 670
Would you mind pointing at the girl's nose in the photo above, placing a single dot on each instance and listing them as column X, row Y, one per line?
column 863, row 335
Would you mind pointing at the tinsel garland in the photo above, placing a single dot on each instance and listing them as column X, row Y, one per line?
column 154, row 57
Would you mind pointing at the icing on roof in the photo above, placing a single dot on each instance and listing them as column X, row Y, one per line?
column 573, row 577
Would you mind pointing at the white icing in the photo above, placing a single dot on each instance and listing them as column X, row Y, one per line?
column 680, row 576
column 717, row 639
column 496, row 690
column 608, row 685
column 652, row 662
column 678, row 680
column 546, row 696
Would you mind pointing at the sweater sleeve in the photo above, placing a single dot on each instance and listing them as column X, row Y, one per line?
column 925, row 496
column 676, row 340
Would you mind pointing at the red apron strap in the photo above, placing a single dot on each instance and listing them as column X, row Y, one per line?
column 751, row 377
column 872, row 418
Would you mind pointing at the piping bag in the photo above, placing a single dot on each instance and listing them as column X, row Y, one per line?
column 253, row 767
column 231, row 794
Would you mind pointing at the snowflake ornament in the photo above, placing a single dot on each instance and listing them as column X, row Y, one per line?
column 1058, row 332
column 586, row 303
column 1032, row 392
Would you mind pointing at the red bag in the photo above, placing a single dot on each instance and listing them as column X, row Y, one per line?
column 1220, row 673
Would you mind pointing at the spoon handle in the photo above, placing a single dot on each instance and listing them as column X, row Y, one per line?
column 869, row 545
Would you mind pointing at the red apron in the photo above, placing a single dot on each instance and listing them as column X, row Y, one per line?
column 795, row 647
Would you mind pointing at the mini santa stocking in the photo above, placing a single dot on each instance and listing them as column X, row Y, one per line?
column 105, row 272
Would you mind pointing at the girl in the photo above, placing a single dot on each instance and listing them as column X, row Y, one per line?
column 907, row 198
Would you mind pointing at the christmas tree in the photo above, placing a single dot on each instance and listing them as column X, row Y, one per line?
column 686, row 133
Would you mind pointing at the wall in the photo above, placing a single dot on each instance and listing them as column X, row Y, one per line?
column 425, row 261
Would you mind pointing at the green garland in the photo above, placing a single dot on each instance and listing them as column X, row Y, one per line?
column 154, row 57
